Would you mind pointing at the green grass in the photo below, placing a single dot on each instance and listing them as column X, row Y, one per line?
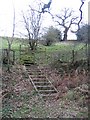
column 47, row 54
column 15, row 45
column 53, row 48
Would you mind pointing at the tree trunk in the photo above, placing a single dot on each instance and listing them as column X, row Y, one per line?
column 32, row 44
column 65, row 37
column 65, row 34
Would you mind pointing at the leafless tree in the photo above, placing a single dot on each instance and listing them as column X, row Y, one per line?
column 32, row 23
column 66, row 20
column 46, row 6
column 10, row 39
column 80, row 17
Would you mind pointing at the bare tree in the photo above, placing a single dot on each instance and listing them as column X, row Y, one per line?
column 32, row 22
column 80, row 17
column 10, row 40
column 46, row 6
column 66, row 20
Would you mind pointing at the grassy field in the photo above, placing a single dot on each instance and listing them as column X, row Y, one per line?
column 61, row 51
column 15, row 44
column 54, row 47
column 48, row 54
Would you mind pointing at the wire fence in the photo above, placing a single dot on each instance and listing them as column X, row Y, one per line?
column 44, row 56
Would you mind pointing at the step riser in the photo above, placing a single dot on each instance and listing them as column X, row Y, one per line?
column 33, row 73
column 36, row 76
column 33, row 70
column 47, row 92
column 44, row 88
column 40, row 80
column 27, row 64
column 41, row 83
column 31, row 66
column 48, row 97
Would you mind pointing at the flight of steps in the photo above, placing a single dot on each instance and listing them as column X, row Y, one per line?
column 40, row 82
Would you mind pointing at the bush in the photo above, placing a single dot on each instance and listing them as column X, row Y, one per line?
column 51, row 36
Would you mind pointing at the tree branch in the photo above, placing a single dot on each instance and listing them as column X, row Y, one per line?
column 81, row 13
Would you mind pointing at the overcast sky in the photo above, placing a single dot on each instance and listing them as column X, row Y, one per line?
column 6, row 13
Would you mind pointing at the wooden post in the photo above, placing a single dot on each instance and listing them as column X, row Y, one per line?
column 8, row 56
column 73, row 53
column 20, row 52
column 46, row 56
column 13, row 56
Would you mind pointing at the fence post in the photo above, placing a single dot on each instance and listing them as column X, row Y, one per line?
column 20, row 51
column 46, row 57
column 13, row 56
column 73, row 56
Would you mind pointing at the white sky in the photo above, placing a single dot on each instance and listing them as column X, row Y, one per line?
column 6, row 13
